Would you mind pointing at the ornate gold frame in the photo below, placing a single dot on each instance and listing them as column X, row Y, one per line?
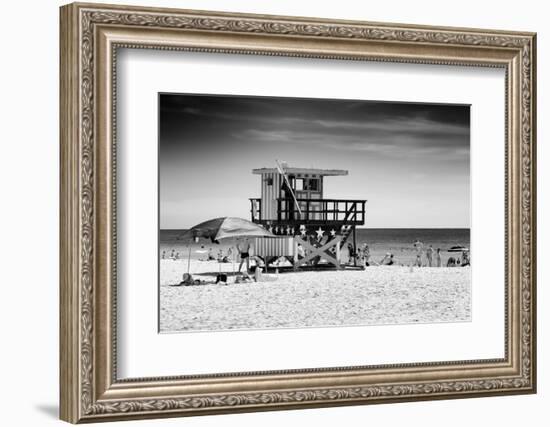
column 90, row 35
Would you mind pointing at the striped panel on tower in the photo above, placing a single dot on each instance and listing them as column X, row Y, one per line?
column 274, row 246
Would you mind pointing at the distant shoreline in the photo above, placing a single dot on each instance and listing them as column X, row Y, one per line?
column 364, row 228
column 381, row 241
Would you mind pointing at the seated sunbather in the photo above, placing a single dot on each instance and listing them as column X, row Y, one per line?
column 259, row 261
column 221, row 278
column 387, row 260
column 259, row 276
column 187, row 280
column 243, row 278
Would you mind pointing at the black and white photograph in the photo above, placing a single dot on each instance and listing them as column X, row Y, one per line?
column 295, row 213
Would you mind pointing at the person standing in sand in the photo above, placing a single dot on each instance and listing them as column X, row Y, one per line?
column 438, row 257
column 351, row 253
column 244, row 251
column 429, row 255
column 366, row 255
column 465, row 259
column 418, row 246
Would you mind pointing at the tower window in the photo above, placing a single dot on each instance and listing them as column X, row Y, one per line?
column 313, row 184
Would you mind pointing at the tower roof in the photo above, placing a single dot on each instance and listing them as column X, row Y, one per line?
column 304, row 171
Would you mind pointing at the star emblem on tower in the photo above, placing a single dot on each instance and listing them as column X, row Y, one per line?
column 320, row 233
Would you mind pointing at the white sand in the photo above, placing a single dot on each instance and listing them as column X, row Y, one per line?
column 377, row 295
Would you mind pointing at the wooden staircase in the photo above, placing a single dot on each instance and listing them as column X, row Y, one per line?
column 347, row 230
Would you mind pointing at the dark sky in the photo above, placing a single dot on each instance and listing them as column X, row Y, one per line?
column 411, row 161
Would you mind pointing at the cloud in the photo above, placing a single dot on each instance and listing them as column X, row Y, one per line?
column 191, row 110
column 397, row 129
column 390, row 139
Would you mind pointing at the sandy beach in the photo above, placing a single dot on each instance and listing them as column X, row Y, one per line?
column 374, row 296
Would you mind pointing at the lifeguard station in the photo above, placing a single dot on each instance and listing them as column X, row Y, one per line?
column 293, row 207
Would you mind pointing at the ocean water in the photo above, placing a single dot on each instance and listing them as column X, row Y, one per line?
column 398, row 241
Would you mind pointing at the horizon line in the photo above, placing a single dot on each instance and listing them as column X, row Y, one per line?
column 374, row 228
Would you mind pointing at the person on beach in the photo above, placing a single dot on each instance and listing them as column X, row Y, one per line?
column 211, row 255
column 418, row 262
column 223, row 258
column 259, row 276
column 172, row 254
column 465, row 259
column 387, row 260
column 187, row 280
column 244, row 251
column 429, row 255
column 221, row 279
column 366, row 255
column 438, row 257
column 258, row 261
column 418, row 246
column 351, row 253
column 243, row 278
column 360, row 257
column 163, row 254
column 258, row 273
column 451, row 262
column 177, row 256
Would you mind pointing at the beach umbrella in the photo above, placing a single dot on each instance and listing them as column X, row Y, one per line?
column 225, row 228
column 457, row 249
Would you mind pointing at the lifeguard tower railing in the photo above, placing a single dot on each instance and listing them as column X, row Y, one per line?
column 312, row 211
